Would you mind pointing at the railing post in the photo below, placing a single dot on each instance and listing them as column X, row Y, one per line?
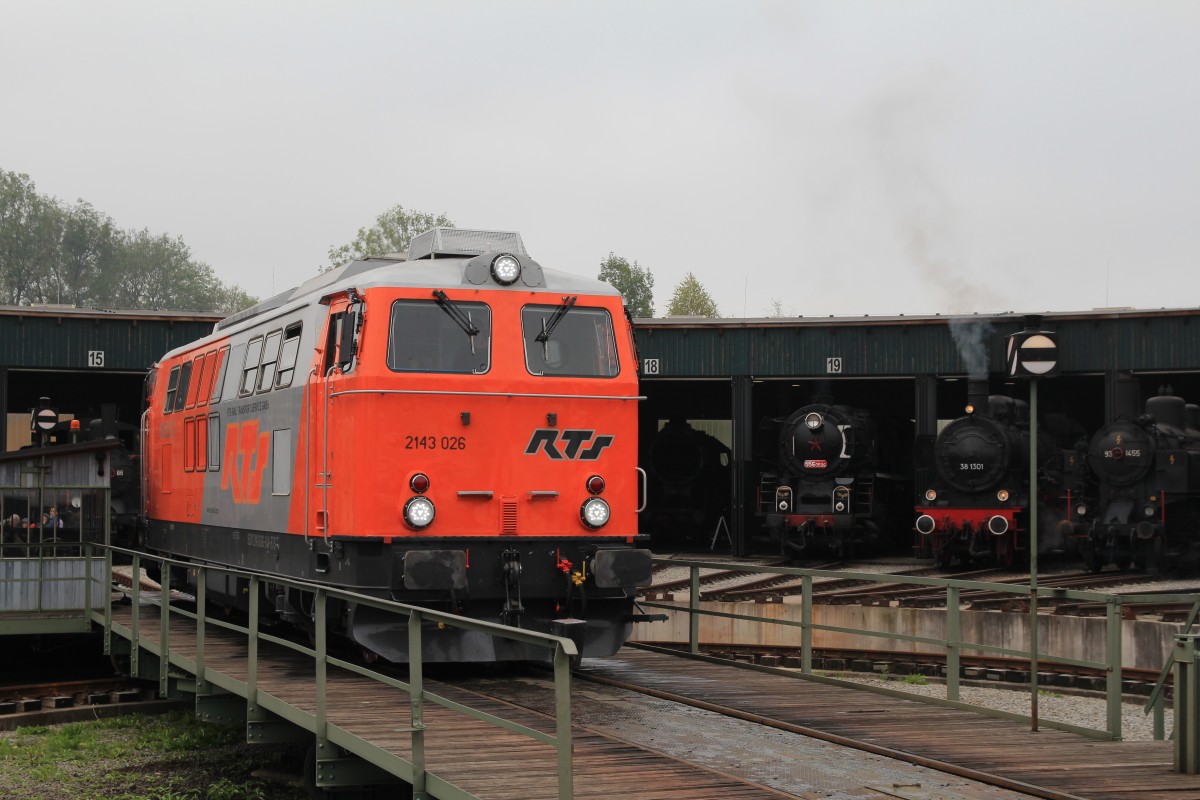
column 136, row 623
column 252, row 648
column 694, row 612
column 806, row 621
column 1160, row 722
column 1187, row 704
column 562, row 724
column 1113, row 688
column 320, row 646
column 164, row 630
column 201, row 610
column 953, row 645
column 108, row 603
column 416, row 699
column 87, row 586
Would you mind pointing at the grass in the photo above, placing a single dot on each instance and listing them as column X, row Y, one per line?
column 915, row 679
column 169, row 757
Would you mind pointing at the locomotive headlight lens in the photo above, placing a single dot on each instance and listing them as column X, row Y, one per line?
column 595, row 484
column 931, row 495
column 926, row 524
column 1002, row 495
column 970, row 409
column 595, row 513
column 1148, row 511
column 418, row 512
column 506, row 269
column 419, row 483
column 813, row 420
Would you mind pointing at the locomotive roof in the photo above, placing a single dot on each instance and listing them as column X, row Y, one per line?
column 437, row 273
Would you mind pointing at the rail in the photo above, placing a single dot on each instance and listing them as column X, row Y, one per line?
column 414, row 771
column 951, row 641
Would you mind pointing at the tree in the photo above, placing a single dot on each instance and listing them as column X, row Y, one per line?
column 391, row 233
column 51, row 253
column 691, row 299
column 634, row 282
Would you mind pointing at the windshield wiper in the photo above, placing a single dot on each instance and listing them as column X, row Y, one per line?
column 456, row 314
column 559, row 313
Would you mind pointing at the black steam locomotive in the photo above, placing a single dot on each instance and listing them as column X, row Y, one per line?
column 688, row 484
column 1143, row 507
column 977, row 506
column 822, row 490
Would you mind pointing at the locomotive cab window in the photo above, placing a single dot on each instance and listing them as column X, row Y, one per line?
column 568, row 340
column 440, row 336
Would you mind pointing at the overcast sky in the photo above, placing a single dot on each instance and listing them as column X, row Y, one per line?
column 839, row 157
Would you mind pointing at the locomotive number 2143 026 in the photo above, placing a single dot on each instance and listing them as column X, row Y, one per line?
column 435, row 443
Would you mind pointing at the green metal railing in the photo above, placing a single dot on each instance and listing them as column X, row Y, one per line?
column 415, row 771
column 951, row 643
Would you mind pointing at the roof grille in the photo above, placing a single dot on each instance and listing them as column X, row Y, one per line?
column 464, row 242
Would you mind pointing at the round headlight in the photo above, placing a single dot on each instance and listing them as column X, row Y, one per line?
column 419, row 483
column 595, row 513
column 926, row 524
column 595, row 484
column 970, row 409
column 506, row 269
column 998, row 525
column 1002, row 495
column 931, row 495
column 418, row 512
column 812, row 420
column 1081, row 510
column 1148, row 511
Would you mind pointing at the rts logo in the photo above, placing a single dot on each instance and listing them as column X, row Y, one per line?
column 571, row 441
column 245, row 459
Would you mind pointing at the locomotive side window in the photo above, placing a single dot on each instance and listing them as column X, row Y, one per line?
column 432, row 336
column 185, row 374
column 569, row 340
column 214, row 442
column 172, row 387
column 250, row 365
column 287, row 358
column 201, row 445
column 189, row 444
column 206, row 378
column 270, row 357
column 193, row 389
column 222, row 366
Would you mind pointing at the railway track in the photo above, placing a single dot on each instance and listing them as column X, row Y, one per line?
column 66, row 701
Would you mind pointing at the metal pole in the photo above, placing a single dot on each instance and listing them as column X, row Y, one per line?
column 694, row 613
column 1033, row 554
column 953, row 649
column 806, row 620
column 416, row 699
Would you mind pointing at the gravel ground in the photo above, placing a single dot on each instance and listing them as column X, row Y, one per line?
column 1085, row 711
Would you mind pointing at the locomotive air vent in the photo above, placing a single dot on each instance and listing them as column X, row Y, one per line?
column 463, row 242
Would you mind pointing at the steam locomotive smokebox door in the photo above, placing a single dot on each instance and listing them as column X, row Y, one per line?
column 622, row 569
column 435, row 569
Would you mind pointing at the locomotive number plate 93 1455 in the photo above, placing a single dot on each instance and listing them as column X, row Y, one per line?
column 435, row 443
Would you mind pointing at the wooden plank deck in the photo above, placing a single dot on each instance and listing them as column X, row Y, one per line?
column 1061, row 762
column 477, row 757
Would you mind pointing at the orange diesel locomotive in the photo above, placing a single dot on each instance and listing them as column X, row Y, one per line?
column 456, row 430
